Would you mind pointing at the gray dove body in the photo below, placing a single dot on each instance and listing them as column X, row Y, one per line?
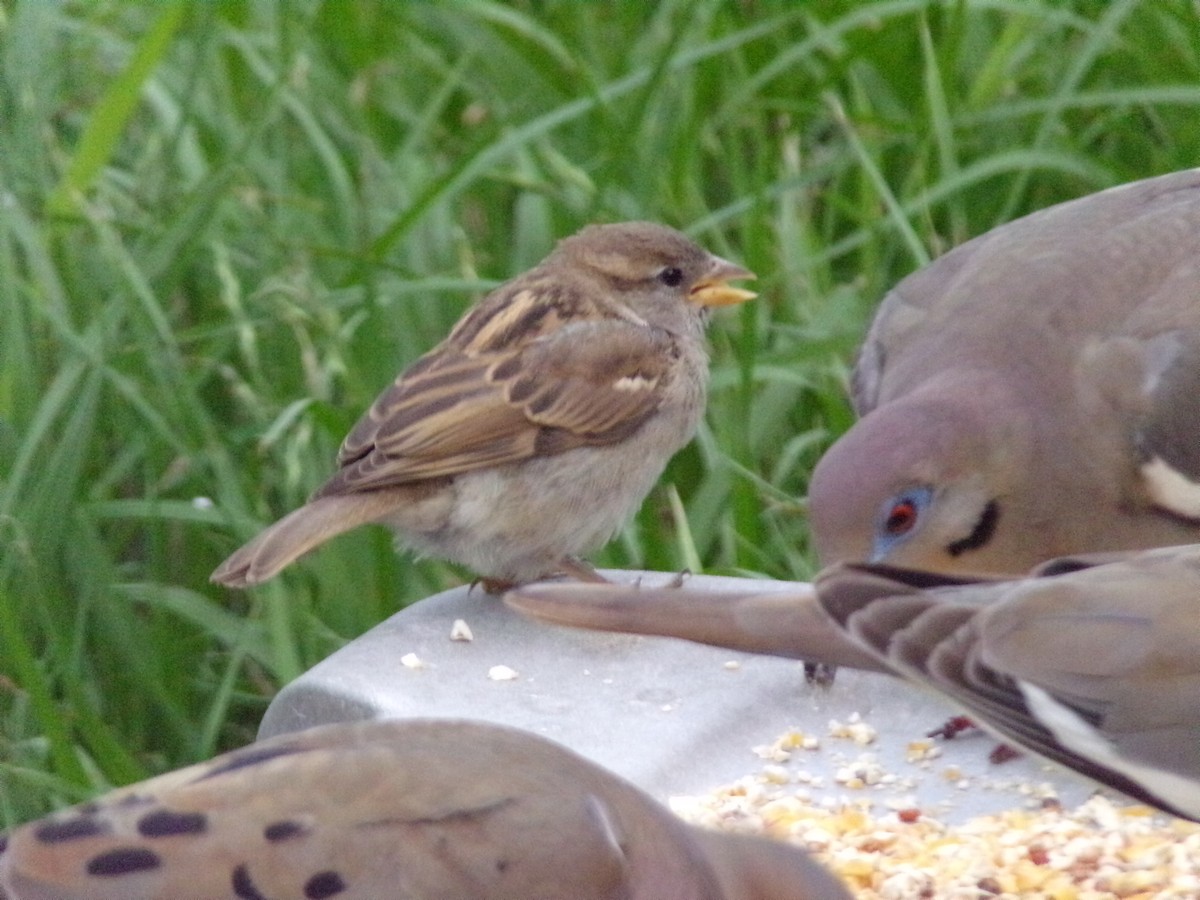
column 1033, row 393
column 1091, row 662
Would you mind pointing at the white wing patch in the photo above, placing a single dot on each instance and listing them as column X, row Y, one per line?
column 634, row 383
column 1073, row 733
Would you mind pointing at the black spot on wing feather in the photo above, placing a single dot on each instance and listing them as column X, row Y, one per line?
column 62, row 830
column 164, row 823
column 243, row 885
column 251, row 756
column 123, row 861
column 284, row 830
column 324, row 884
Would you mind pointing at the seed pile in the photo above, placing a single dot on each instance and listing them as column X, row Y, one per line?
column 886, row 846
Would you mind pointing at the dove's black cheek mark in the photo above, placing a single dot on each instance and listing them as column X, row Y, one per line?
column 984, row 531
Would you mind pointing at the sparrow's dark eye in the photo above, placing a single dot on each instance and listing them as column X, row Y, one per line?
column 671, row 276
column 901, row 517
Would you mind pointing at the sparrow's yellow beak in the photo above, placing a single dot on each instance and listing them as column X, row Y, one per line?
column 712, row 290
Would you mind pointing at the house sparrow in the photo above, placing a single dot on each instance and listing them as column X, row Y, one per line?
column 422, row 809
column 534, row 431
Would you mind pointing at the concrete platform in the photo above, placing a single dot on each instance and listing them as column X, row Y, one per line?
column 675, row 718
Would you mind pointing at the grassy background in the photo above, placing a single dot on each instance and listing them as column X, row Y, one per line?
column 225, row 226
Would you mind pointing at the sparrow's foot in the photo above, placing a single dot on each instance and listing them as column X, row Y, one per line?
column 492, row 585
column 679, row 579
column 567, row 567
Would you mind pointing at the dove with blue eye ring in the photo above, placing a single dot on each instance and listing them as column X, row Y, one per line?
column 1032, row 393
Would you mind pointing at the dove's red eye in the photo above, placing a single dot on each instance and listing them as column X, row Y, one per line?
column 901, row 518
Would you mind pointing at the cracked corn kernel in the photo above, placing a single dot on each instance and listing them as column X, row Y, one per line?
column 854, row 729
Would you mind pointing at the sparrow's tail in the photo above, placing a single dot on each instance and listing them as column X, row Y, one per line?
column 295, row 534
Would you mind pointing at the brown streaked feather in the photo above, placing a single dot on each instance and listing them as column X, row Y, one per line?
column 589, row 383
column 605, row 388
column 529, row 309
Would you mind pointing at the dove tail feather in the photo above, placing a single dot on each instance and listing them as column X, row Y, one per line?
column 781, row 623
